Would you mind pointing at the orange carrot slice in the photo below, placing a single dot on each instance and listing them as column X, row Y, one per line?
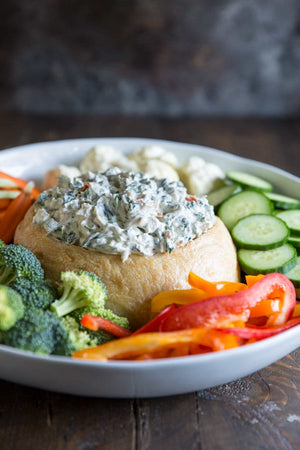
column 15, row 213
column 20, row 183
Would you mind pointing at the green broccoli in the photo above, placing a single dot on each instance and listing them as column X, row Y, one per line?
column 77, row 337
column 38, row 331
column 2, row 244
column 101, row 312
column 58, row 330
column 11, row 308
column 17, row 261
column 43, row 332
column 79, row 289
column 37, row 293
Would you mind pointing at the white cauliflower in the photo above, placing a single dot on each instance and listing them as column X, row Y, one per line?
column 153, row 152
column 159, row 169
column 201, row 177
column 156, row 162
column 52, row 176
column 102, row 157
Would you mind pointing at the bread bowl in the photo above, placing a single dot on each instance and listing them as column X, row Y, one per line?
column 131, row 284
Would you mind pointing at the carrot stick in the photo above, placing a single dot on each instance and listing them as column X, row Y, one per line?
column 21, row 183
column 14, row 214
column 4, row 203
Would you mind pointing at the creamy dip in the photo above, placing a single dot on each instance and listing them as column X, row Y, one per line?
column 119, row 212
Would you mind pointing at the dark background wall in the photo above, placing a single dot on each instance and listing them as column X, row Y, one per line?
column 161, row 57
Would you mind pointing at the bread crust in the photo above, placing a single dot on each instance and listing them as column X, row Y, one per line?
column 132, row 284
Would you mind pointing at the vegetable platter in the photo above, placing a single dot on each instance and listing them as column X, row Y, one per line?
column 130, row 379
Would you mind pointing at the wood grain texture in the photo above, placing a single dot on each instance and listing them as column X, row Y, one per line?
column 258, row 412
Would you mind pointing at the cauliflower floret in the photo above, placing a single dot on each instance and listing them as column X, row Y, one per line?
column 153, row 152
column 102, row 157
column 156, row 162
column 52, row 176
column 159, row 169
column 200, row 177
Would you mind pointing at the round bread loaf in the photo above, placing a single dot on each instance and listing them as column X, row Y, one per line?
column 132, row 284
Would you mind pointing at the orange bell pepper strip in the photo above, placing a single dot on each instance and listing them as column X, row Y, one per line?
column 296, row 312
column 213, row 288
column 177, row 296
column 265, row 308
column 133, row 347
column 220, row 311
column 96, row 323
column 252, row 279
column 20, row 183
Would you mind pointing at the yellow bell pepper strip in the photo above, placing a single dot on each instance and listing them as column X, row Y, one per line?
column 159, row 345
column 96, row 323
column 259, row 333
column 220, row 311
column 213, row 288
column 177, row 296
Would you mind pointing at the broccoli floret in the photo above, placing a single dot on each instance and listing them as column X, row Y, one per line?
column 11, row 308
column 38, row 331
column 79, row 289
column 17, row 261
column 38, row 293
column 2, row 244
column 41, row 331
column 77, row 337
column 101, row 312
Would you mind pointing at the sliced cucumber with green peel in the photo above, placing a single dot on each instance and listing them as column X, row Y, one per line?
column 215, row 198
column 292, row 219
column 295, row 241
column 294, row 274
column 243, row 204
column 280, row 259
column 249, row 181
column 283, row 201
column 260, row 232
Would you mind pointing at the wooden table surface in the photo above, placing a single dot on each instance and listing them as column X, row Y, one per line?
column 261, row 411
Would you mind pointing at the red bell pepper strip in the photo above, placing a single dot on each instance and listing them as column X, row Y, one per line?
column 154, row 324
column 259, row 333
column 95, row 323
column 220, row 311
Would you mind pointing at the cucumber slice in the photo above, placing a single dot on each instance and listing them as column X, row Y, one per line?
column 260, row 232
column 294, row 274
column 249, row 181
column 243, row 204
column 295, row 241
column 280, row 259
column 283, row 201
column 215, row 198
column 292, row 219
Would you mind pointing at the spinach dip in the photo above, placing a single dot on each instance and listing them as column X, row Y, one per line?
column 120, row 213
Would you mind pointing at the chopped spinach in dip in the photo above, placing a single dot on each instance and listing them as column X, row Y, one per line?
column 121, row 213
